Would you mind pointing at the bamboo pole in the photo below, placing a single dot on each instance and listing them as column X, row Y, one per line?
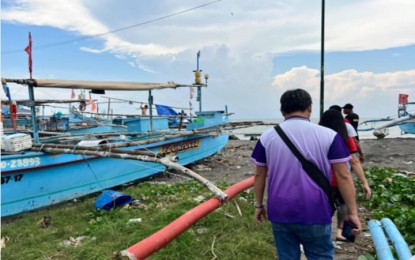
column 38, row 147
column 147, row 141
column 170, row 135
column 164, row 161
column 203, row 130
column 133, row 115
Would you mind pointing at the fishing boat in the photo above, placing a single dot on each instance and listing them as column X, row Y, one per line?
column 407, row 125
column 405, row 120
column 75, row 122
column 38, row 172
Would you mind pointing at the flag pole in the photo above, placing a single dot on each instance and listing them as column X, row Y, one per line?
column 28, row 49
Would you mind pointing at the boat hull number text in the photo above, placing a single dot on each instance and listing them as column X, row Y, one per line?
column 7, row 179
column 20, row 163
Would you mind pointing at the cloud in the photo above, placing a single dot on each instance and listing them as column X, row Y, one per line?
column 299, row 77
column 255, row 28
column 238, row 40
column 66, row 15
column 275, row 26
column 91, row 50
column 373, row 90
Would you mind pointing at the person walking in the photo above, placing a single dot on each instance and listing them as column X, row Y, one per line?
column 352, row 132
column 299, row 210
column 351, row 116
column 333, row 119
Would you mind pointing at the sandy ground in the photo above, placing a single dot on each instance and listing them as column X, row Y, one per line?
column 232, row 165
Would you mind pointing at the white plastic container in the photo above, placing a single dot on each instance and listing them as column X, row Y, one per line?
column 16, row 142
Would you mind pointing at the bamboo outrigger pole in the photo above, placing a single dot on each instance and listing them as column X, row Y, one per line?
column 121, row 155
column 36, row 147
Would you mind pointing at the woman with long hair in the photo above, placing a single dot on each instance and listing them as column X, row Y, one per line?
column 333, row 119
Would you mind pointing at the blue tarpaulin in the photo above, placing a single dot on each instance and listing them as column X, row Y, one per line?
column 165, row 111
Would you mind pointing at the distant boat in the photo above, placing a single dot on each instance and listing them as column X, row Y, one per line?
column 405, row 120
column 38, row 173
column 73, row 123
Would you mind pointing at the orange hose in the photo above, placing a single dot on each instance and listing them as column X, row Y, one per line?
column 164, row 236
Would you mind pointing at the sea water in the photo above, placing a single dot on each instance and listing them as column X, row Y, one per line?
column 246, row 133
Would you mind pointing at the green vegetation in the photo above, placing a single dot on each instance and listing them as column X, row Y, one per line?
column 393, row 197
column 78, row 231
column 103, row 232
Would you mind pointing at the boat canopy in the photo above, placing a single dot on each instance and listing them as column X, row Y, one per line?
column 94, row 85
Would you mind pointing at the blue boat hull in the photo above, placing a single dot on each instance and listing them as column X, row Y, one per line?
column 408, row 127
column 35, row 179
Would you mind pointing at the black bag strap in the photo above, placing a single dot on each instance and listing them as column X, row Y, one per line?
column 310, row 168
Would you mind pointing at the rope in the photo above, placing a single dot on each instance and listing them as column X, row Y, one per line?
column 74, row 148
column 41, row 147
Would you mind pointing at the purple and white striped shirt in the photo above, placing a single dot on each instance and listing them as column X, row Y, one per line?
column 293, row 197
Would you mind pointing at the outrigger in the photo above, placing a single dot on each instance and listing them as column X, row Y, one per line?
column 405, row 120
column 38, row 172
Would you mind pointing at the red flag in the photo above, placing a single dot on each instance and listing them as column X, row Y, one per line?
column 28, row 49
column 73, row 94
column 93, row 106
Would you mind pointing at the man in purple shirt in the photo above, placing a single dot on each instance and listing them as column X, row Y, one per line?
column 297, row 207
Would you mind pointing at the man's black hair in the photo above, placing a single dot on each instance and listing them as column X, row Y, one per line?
column 295, row 100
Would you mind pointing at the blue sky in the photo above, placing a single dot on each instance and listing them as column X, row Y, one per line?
column 253, row 51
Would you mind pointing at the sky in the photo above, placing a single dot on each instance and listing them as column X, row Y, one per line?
column 252, row 50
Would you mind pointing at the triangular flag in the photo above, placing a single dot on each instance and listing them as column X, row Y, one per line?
column 28, row 49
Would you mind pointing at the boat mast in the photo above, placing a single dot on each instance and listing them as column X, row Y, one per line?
column 150, row 106
column 109, row 107
column 33, row 114
column 198, row 82
column 28, row 49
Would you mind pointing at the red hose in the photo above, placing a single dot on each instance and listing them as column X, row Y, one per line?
column 164, row 236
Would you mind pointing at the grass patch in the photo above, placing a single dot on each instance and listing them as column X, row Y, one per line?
column 100, row 233
column 236, row 237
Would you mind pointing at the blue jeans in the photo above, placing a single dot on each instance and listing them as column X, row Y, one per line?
column 316, row 241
